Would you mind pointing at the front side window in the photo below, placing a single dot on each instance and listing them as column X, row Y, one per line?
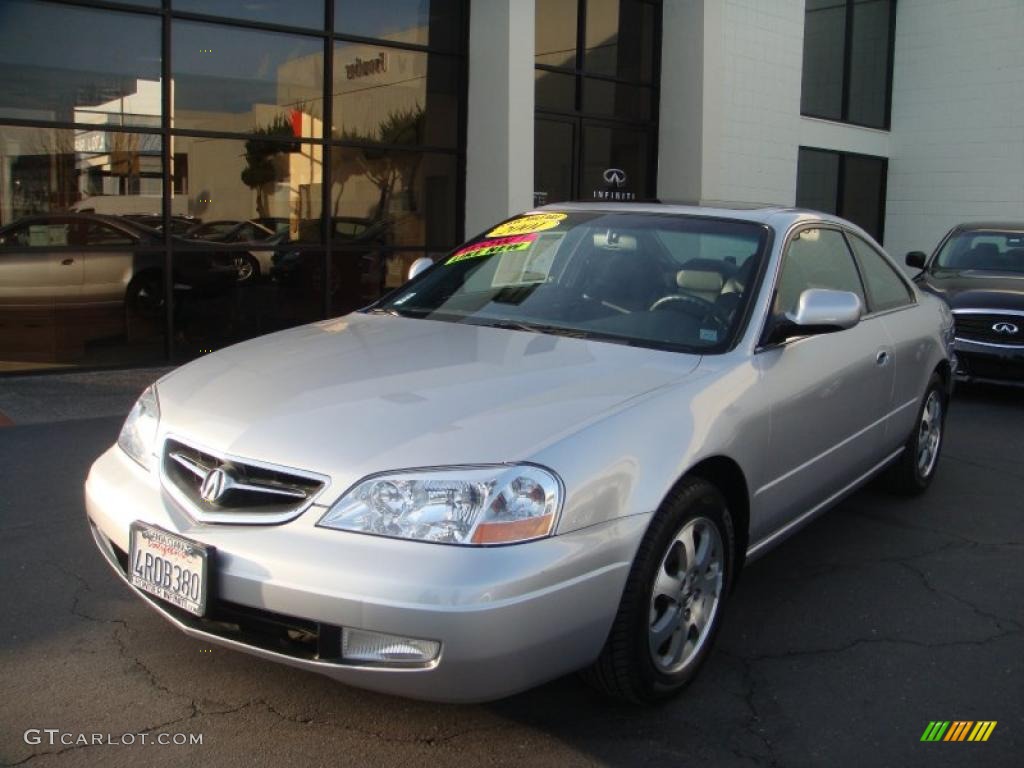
column 886, row 289
column 985, row 251
column 668, row 282
column 816, row 258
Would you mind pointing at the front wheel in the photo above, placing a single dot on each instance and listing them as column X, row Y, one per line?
column 672, row 605
column 915, row 469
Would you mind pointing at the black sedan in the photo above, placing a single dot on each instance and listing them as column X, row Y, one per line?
column 978, row 269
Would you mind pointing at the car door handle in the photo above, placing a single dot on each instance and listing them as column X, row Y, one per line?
column 882, row 358
column 68, row 262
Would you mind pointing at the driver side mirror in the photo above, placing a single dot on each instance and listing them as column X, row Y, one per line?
column 917, row 259
column 418, row 267
column 818, row 311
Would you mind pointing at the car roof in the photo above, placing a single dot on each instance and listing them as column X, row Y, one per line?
column 768, row 213
column 996, row 225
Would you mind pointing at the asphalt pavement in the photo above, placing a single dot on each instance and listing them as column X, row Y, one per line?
column 838, row 648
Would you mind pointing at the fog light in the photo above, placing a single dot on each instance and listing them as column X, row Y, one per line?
column 377, row 647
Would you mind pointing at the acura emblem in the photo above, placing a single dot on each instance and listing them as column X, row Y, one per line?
column 216, row 483
column 615, row 176
column 1007, row 328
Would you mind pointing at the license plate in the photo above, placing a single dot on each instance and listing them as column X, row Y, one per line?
column 170, row 567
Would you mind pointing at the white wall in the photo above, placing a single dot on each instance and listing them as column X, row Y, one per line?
column 499, row 148
column 743, row 121
column 957, row 118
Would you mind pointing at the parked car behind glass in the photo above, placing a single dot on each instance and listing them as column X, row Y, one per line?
column 553, row 450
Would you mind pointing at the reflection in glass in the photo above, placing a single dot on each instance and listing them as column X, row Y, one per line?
column 434, row 23
column 44, row 170
column 552, row 170
column 555, row 91
column 393, row 96
column 620, row 39
column 294, row 13
column 246, row 81
column 869, row 62
column 601, row 97
column 824, row 42
column 817, row 180
column 555, row 33
column 624, row 149
column 286, row 289
column 53, row 71
column 392, row 198
column 268, row 179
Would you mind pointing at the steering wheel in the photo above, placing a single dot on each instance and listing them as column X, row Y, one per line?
column 694, row 306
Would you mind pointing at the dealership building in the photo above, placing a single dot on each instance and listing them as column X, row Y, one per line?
column 360, row 136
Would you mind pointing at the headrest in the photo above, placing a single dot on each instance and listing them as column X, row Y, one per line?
column 986, row 250
column 699, row 280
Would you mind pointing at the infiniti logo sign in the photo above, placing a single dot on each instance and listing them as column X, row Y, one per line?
column 615, row 176
column 1007, row 328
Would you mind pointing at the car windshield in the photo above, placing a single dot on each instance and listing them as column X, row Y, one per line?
column 987, row 251
column 664, row 281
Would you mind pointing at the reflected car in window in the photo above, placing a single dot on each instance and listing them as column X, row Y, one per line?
column 82, row 259
column 553, row 450
column 978, row 269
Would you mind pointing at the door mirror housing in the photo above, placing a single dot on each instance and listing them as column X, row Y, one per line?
column 418, row 267
column 917, row 259
column 818, row 311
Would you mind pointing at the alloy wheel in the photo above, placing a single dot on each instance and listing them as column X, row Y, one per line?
column 929, row 434
column 686, row 595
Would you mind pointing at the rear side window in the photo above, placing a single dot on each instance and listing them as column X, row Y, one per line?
column 816, row 258
column 886, row 290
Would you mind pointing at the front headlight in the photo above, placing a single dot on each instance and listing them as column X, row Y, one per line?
column 474, row 506
column 138, row 435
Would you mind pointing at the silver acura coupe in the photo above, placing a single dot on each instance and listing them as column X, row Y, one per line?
column 552, row 450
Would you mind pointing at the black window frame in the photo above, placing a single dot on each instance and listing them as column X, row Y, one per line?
column 841, row 183
column 847, row 66
column 580, row 119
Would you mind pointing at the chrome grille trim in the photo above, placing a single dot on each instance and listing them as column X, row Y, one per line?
column 267, row 493
column 974, row 326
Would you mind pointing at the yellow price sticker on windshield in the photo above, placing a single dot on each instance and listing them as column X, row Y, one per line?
column 524, row 225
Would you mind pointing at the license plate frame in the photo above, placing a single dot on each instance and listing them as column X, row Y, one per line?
column 172, row 551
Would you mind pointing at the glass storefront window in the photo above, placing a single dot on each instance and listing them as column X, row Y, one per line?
column 386, row 198
column 603, row 97
column 433, row 23
column 552, row 170
column 555, row 33
column 619, row 39
column 271, row 183
column 555, row 91
column 852, row 186
column 394, row 96
column 52, row 71
column 617, row 148
column 246, row 81
column 46, row 170
column 292, row 13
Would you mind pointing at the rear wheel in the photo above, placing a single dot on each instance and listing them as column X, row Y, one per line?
column 672, row 605
column 915, row 469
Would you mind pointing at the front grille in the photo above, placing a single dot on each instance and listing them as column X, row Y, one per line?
column 981, row 327
column 243, row 491
column 255, row 627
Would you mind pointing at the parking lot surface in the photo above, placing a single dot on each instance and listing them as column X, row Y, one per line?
column 838, row 647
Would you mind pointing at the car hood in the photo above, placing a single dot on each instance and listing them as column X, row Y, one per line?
column 369, row 393
column 976, row 289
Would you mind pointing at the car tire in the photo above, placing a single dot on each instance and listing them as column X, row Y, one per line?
column 914, row 470
column 668, row 616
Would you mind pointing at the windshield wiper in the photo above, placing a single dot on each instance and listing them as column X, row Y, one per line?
column 554, row 330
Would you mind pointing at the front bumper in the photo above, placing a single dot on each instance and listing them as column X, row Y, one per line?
column 508, row 618
column 987, row 362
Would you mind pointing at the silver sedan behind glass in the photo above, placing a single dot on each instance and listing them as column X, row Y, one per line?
column 553, row 450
